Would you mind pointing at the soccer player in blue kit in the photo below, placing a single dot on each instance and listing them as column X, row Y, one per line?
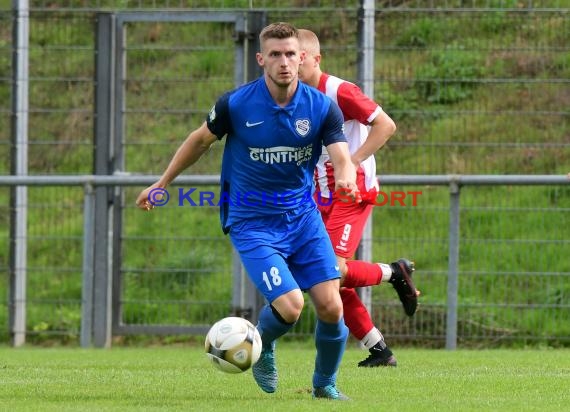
column 275, row 128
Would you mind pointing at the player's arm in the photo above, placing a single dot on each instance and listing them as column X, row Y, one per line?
column 344, row 171
column 195, row 145
column 382, row 127
column 358, row 106
column 337, row 147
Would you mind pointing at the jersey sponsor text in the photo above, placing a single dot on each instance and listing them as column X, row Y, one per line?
column 281, row 154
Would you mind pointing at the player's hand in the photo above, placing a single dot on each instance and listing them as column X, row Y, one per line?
column 348, row 190
column 143, row 201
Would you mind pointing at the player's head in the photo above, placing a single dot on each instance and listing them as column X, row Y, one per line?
column 309, row 42
column 280, row 54
column 281, row 30
column 310, row 70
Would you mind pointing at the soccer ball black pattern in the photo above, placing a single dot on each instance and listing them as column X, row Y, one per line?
column 233, row 345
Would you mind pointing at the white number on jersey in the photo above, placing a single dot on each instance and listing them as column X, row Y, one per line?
column 275, row 278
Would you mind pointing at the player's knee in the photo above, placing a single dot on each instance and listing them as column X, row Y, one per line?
column 342, row 268
column 329, row 311
column 292, row 315
column 292, row 312
column 289, row 306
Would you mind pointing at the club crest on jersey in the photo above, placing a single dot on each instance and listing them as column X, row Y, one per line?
column 302, row 126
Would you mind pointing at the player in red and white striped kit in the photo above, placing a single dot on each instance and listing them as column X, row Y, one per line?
column 367, row 128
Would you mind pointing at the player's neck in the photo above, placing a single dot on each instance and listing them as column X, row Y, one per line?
column 282, row 94
column 315, row 79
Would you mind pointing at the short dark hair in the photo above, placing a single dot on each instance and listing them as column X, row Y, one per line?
column 279, row 30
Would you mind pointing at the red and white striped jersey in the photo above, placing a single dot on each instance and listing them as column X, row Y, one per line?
column 358, row 110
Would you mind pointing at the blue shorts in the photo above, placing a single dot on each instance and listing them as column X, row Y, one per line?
column 285, row 252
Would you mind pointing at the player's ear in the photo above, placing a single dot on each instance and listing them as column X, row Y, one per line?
column 259, row 58
column 317, row 58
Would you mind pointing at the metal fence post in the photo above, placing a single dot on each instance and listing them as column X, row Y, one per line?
column 246, row 300
column 365, row 61
column 453, row 262
column 87, row 287
column 103, row 146
column 19, row 167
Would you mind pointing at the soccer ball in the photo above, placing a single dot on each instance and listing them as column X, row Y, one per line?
column 233, row 344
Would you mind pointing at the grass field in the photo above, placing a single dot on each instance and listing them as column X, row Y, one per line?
column 180, row 378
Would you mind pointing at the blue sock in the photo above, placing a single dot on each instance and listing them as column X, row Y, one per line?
column 271, row 326
column 330, row 340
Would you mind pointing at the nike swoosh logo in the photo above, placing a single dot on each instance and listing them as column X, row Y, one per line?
column 336, row 268
column 248, row 124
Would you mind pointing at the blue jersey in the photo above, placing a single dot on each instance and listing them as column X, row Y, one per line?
column 271, row 151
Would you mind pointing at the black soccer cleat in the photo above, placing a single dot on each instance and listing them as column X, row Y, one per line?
column 379, row 357
column 402, row 281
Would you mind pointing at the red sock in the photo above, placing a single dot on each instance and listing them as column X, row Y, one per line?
column 361, row 274
column 356, row 317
